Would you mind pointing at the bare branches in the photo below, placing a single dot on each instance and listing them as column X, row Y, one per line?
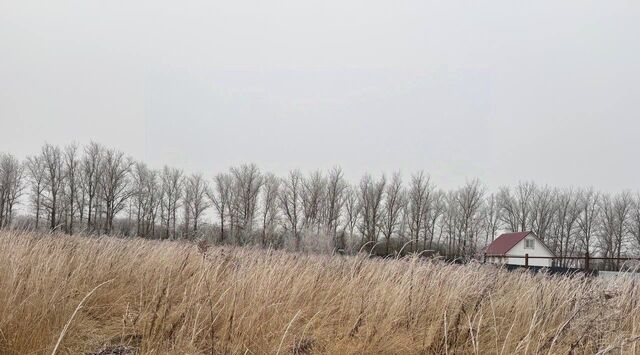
column 588, row 218
column 52, row 158
column 270, row 212
column 91, row 166
column 394, row 198
column 419, row 200
column 172, row 182
column 469, row 199
column 290, row 203
column 247, row 181
column 371, row 194
column 36, row 179
column 335, row 200
column 71, row 163
column 11, row 186
column 195, row 203
column 114, row 181
column 313, row 190
column 96, row 189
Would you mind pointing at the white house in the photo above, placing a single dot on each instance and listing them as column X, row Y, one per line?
column 518, row 244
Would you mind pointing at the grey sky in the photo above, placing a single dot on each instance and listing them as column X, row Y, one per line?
column 500, row 90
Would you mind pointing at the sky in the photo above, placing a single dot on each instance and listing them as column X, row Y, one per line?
column 499, row 90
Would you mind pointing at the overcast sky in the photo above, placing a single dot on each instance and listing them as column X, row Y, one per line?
column 499, row 90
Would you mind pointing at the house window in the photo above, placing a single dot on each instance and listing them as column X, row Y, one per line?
column 528, row 243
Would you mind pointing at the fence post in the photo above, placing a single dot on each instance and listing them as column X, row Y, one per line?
column 586, row 261
column 484, row 258
column 526, row 259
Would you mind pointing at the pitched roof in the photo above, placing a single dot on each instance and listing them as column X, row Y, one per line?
column 505, row 242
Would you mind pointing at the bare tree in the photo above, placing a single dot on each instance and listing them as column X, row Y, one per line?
column 370, row 194
column 139, row 176
column 622, row 204
column 451, row 223
column 114, row 184
column 433, row 215
column 419, row 199
column 516, row 208
column 54, row 167
column 524, row 194
column 588, row 219
column 171, row 186
column 312, row 195
column 17, row 189
column 195, row 202
column 507, row 208
column 246, row 187
column 247, row 181
column 335, row 200
column 562, row 239
column 11, row 186
column 606, row 237
column 221, row 197
column 394, row 200
column 352, row 210
column 634, row 221
column 492, row 222
column 147, row 198
column 291, row 205
column 402, row 231
column 543, row 204
column 90, row 165
column 469, row 199
column 71, row 163
column 269, row 215
column 36, row 174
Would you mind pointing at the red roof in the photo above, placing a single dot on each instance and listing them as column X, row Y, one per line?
column 505, row 242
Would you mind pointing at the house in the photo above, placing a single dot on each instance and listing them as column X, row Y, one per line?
column 518, row 244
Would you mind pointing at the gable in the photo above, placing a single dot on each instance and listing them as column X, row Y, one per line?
column 539, row 248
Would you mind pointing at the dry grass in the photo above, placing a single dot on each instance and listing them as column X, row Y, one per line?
column 170, row 297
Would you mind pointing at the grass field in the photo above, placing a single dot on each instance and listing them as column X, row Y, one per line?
column 71, row 294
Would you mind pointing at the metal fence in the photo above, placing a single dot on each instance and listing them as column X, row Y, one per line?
column 586, row 262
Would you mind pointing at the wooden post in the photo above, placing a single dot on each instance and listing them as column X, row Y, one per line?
column 586, row 261
column 526, row 259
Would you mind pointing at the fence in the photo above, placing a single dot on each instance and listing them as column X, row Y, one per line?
column 585, row 262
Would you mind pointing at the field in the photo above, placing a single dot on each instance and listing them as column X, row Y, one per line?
column 72, row 294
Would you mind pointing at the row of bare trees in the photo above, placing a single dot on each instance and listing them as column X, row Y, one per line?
column 94, row 189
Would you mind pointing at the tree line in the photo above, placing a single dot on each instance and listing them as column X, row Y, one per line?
column 98, row 190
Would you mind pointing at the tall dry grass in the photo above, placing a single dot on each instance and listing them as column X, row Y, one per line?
column 104, row 295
